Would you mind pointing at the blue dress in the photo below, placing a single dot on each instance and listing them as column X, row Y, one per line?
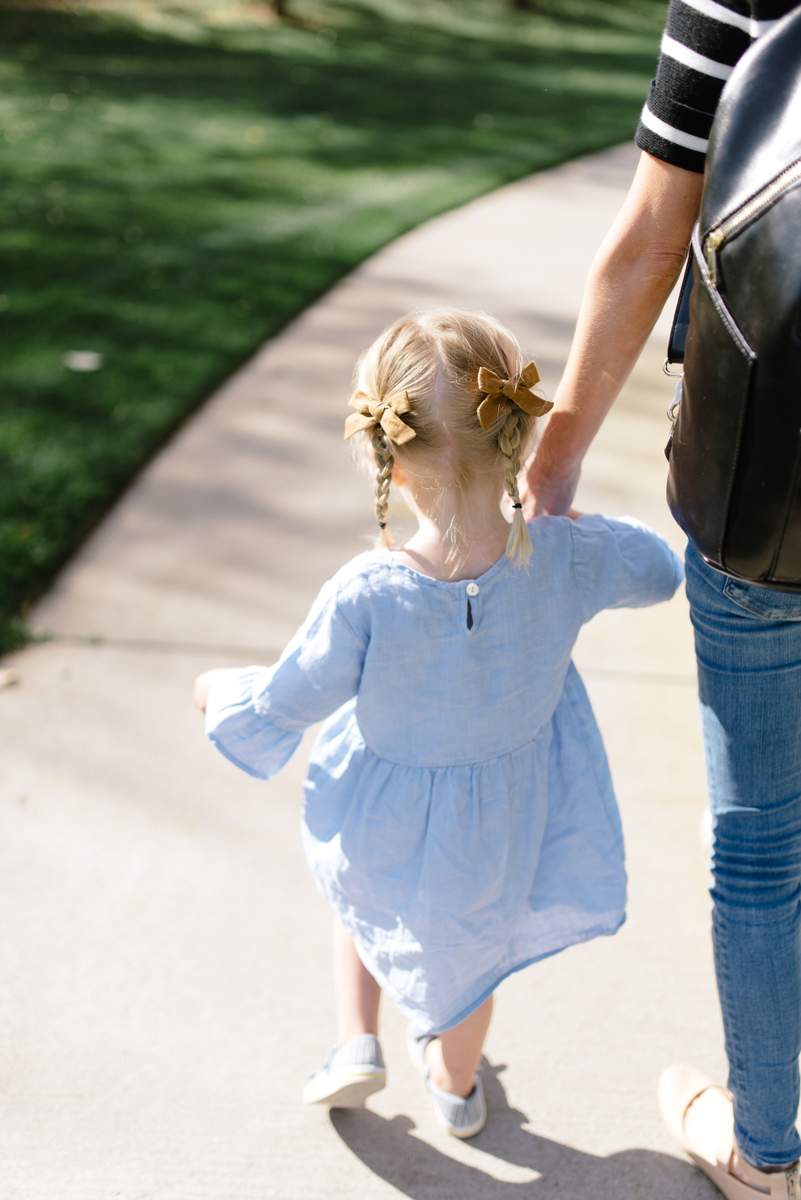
column 459, row 812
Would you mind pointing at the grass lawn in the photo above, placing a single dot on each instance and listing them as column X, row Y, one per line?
column 181, row 178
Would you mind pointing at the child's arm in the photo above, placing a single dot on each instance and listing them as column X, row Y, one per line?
column 619, row 563
column 256, row 715
column 200, row 694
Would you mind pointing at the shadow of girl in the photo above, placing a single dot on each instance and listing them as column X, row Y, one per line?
column 418, row 1169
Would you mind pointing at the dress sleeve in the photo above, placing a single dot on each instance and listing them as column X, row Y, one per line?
column 256, row 716
column 621, row 564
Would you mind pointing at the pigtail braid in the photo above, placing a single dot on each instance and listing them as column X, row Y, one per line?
column 518, row 544
column 384, row 462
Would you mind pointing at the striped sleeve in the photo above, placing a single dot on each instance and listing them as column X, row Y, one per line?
column 702, row 41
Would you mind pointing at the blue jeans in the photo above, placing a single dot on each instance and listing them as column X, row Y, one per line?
column 748, row 645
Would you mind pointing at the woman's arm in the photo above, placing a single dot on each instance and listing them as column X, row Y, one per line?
column 630, row 279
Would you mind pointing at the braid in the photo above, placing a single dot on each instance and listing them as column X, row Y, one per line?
column 518, row 544
column 384, row 462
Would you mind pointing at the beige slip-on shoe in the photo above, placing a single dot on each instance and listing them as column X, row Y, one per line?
column 710, row 1144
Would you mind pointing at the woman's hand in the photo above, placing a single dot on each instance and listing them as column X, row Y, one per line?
column 201, row 692
column 545, row 491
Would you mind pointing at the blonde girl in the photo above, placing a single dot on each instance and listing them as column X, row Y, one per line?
column 459, row 813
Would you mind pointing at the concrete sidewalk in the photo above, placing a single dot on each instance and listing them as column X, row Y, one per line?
column 166, row 981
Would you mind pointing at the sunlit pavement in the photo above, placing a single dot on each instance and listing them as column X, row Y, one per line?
column 166, row 981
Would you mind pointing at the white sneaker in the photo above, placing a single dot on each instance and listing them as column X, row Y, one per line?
column 350, row 1074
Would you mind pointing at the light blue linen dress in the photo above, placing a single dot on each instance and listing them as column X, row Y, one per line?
column 459, row 812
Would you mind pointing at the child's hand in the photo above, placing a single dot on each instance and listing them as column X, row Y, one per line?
column 201, row 693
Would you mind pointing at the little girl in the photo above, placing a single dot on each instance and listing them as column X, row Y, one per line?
column 459, row 813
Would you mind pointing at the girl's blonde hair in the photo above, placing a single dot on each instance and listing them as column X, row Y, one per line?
column 432, row 359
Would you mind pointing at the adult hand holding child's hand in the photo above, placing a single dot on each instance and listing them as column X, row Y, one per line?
column 547, row 491
column 550, row 476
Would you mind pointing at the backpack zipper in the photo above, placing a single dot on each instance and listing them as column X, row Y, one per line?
column 732, row 224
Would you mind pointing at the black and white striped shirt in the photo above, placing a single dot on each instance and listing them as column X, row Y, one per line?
column 703, row 39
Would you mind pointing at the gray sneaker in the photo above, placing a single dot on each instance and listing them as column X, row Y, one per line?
column 461, row 1116
column 350, row 1074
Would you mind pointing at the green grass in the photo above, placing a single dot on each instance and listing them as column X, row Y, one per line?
column 181, row 179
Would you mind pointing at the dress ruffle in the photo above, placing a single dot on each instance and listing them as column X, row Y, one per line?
column 240, row 725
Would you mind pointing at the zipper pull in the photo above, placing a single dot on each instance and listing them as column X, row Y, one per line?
column 711, row 246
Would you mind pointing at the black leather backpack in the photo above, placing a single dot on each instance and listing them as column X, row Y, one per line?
column 735, row 453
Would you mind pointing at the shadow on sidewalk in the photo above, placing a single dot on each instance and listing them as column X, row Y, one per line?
column 419, row 1170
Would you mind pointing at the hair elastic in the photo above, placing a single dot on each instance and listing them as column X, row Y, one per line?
column 517, row 505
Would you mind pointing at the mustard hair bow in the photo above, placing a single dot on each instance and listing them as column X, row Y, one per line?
column 499, row 393
column 387, row 413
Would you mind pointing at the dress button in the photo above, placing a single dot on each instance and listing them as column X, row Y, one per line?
column 472, row 589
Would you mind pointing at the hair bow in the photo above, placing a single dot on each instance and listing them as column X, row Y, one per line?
column 499, row 393
column 387, row 413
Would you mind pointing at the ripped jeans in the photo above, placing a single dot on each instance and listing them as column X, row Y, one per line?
column 748, row 646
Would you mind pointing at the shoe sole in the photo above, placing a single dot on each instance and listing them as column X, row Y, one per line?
column 348, row 1089
column 730, row 1187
